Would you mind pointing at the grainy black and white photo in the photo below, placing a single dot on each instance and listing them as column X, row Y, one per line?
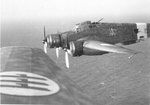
column 75, row 52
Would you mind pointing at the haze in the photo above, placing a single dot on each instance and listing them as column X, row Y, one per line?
column 112, row 10
column 22, row 21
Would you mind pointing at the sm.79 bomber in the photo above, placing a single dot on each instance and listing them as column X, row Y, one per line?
column 97, row 38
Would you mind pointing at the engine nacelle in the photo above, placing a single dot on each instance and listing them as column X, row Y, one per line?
column 77, row 49
column 54, row 40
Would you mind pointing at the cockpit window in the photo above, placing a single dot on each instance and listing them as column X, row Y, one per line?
column 86, row 22
column 76, row 28
column 95, row 23
column 90, row 26
column 84, row 26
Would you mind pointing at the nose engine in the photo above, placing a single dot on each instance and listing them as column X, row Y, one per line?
column 54, row 40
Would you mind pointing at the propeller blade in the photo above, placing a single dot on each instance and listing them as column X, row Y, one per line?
column 97, row 45
column 67, row 59
column 57, row 52
column 66, row 54
column 45, row 41
column 44, row 33
column 45, row 47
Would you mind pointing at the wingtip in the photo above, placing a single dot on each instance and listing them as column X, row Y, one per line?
column 133, row 54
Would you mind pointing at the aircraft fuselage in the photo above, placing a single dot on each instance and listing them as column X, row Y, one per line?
column 125, row 33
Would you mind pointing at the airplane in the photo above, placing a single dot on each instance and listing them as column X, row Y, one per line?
column 29, row 76
column 97, row 38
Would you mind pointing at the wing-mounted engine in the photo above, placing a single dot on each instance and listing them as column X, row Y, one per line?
column 91, row 47
column 77, row 48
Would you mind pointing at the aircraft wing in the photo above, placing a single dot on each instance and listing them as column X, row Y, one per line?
column 101, row 46
column 29, row 76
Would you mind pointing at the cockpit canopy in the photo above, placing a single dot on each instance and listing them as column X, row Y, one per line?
column 86, row 25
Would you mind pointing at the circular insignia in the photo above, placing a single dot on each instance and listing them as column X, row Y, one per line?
column 26, row 84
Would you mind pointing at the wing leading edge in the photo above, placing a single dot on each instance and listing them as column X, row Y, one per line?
column 101, row 46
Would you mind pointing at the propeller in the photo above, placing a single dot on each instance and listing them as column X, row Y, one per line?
column 45, row 41
column 45, row 47
column 66, row 53
column 67, row 59
column 57, row 52
column 58, row 48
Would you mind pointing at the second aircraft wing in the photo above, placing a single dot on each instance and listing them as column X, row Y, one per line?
column 97, row 45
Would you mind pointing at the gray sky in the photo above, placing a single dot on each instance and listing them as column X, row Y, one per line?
column 48, row 9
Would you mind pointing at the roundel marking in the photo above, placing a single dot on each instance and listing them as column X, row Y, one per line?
column 26, row 84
